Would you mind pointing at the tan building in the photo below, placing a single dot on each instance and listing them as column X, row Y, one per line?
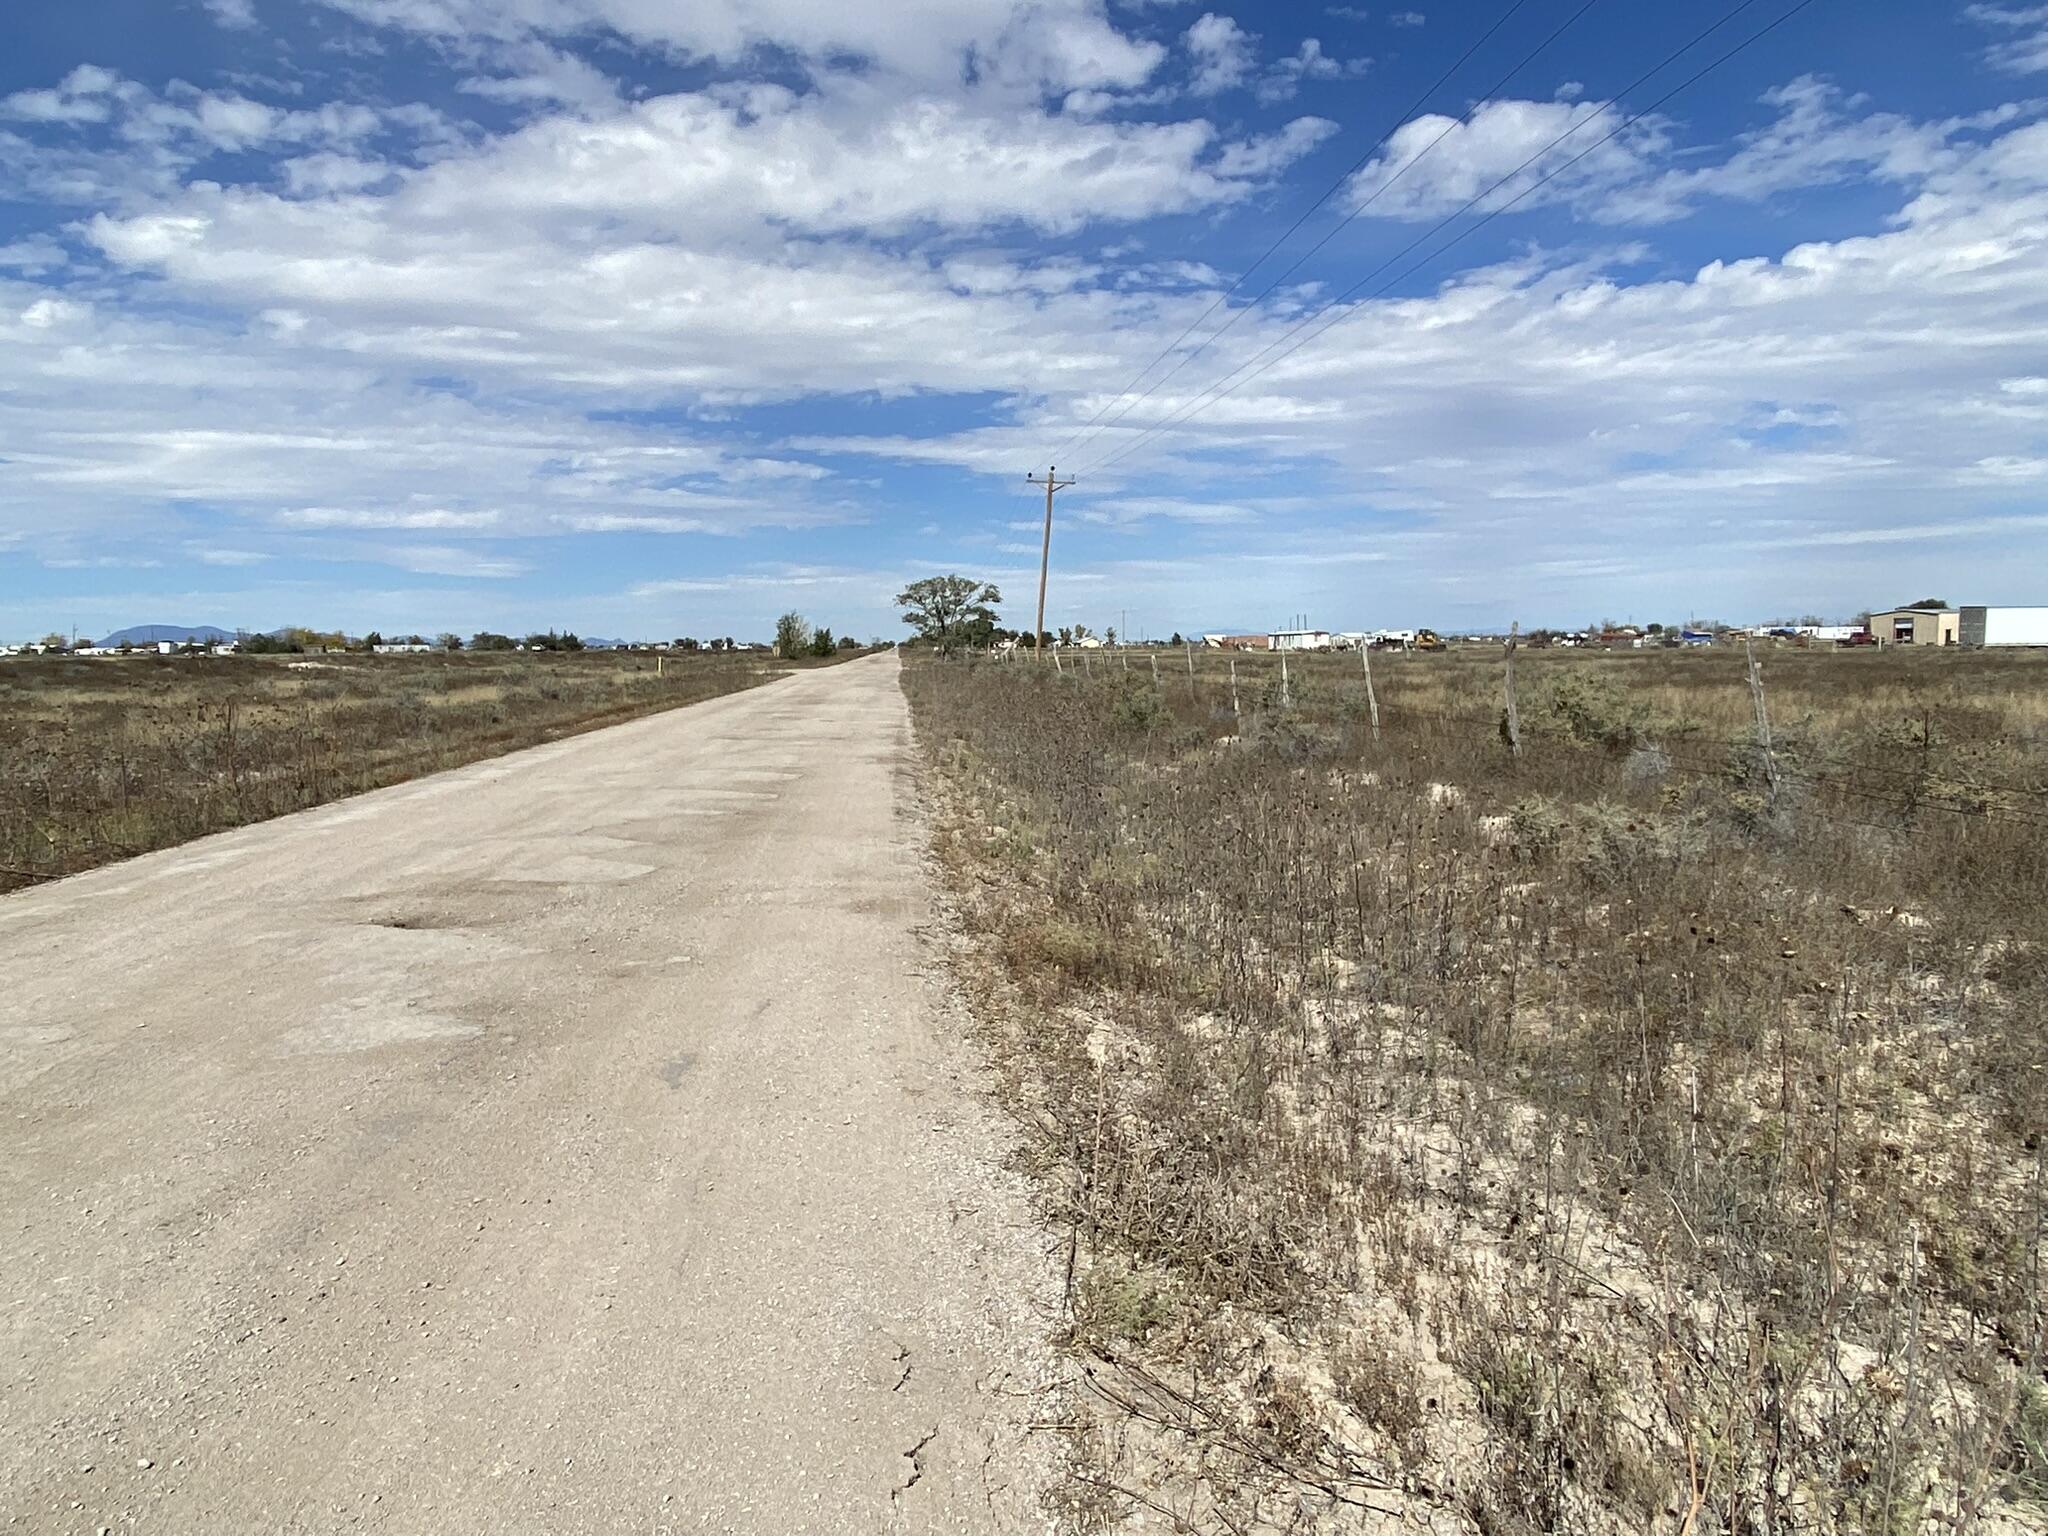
column 1916, row 626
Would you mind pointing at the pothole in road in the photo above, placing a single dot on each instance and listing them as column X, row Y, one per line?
column 410, row 922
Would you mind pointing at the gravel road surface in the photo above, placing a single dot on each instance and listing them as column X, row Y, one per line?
column 571, row 1142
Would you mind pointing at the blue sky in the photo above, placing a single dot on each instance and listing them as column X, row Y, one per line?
column 657, row 319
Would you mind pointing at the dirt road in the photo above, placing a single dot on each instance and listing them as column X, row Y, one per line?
column 571, row 1142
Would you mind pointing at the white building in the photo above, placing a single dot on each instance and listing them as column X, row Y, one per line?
column 1299, row 639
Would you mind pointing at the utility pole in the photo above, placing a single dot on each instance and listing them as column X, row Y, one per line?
column 1052, row 482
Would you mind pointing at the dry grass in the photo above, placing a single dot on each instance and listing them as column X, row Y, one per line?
column 104, row 758
column 1593, row 1142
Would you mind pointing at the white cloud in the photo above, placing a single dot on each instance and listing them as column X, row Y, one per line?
column 82, row 97
column 235, row 15
column 1308, row 62
column 536, row 74
column 445, row 560
column 103, row 140
column 1435, row 164
column 1056, row 45
column 1550, row 152
column 387, row 517
column 1222, row 54
column 1255, row 158
column 2024, row 48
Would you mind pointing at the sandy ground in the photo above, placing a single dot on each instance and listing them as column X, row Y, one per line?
column 572, row 1142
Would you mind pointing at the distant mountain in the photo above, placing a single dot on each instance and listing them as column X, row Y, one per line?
column 178, row 634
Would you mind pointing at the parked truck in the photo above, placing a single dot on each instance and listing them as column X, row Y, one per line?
column 2002, row 626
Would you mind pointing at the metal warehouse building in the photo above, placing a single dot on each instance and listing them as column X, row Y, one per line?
column 1915, row 626
column 2001, row 626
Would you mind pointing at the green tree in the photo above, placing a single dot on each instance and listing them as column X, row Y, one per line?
column 848, row 643
column 950, row 610
column 490, row 640
column 685, row 643
column 566, row 641
column 448, row 641
column 792, row 635
column 821, row 642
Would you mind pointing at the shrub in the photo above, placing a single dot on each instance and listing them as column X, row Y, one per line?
column 1589, row 710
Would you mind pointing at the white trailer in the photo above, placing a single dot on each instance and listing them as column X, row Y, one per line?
column 2002, row 626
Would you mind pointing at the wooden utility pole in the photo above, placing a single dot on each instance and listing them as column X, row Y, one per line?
column 1052, row 482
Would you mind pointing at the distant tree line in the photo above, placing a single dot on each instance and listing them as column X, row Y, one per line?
column 794, row 637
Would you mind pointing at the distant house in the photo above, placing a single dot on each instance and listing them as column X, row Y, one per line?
column 1917, row 626
column 401, row 648
column 1299, row 640
column 1237, row 642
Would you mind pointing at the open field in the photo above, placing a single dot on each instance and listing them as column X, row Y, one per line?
column 104, row 758
column 1605, row 1140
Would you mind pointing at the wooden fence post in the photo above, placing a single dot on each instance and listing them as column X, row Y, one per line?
column 1286, row 693
column 1763, row 719
column 1191, row 672
column 1235, row 712
column 1514, row 718
column 1372, row 700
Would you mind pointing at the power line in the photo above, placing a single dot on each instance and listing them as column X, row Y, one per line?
column 1079, row 439
column 1261, row 361
column 1377, row 192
